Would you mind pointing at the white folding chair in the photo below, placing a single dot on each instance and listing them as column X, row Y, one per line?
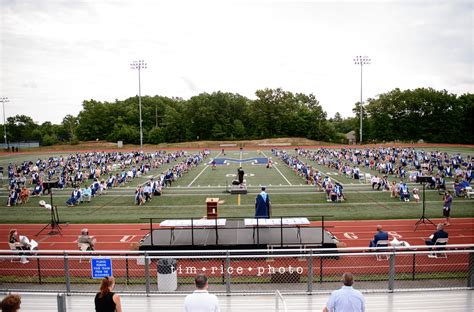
column 382, row 243
column 21, row 258
column 83, row 247
column 13, row 248
column 368, row 177
column 469, row 192
column 439, row 252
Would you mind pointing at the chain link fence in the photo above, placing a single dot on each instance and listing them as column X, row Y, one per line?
column 248, row 272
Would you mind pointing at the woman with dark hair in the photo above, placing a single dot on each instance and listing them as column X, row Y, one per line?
column 11, row 303
column 106, row 300
column 13, row 237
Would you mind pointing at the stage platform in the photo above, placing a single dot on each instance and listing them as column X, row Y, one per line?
column 238, row 234
column 238, row 189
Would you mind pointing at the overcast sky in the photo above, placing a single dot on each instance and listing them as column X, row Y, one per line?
column 55, row 54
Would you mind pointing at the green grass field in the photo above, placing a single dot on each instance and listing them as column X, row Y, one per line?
column 289, row 194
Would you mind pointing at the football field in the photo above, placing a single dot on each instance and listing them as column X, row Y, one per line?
column 289, row 194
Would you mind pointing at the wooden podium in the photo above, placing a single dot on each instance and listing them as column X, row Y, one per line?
column 212, row 204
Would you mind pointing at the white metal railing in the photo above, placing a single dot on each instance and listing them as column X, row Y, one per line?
column 233, row 271
column 278, row 298
column 254, row 252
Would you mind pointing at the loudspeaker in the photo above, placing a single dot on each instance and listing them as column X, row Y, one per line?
column 47, row 185
column 420, row 179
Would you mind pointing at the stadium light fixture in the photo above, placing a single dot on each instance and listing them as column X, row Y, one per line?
column 139, row 65
column 361, row 60
column 4, row 100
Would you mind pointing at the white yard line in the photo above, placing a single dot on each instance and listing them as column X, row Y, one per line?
column 274, row 166
column 201, row 172
column 198, row 175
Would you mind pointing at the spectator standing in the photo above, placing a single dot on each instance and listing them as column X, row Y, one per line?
column 106, row 300
column 347, row 298
column 11, row 303
column 201, row 300
column 448, row 200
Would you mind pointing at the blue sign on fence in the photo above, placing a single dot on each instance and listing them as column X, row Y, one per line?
column 101, row 267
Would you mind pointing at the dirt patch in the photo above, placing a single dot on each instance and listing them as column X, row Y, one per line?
column 251, row 144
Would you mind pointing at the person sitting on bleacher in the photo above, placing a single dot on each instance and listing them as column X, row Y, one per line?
column 139, row 197
column 79, row 177
column 12, row 198
column 61, row 182
column 95, row 187
column 375, row 181
column 385, row 184
column 329, row 190
column 110, row 181
column 38, row 189
column 86, row 194
column 147, row 192
column 24, row 195
column 338, row 190
column 75, row 197
column 461, row 188
column 404, row 193
column 356, row 173
column 438, row 182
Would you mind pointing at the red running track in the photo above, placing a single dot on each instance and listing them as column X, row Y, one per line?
column 352, row 233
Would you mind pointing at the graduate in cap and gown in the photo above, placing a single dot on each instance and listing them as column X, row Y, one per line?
column 262, row 205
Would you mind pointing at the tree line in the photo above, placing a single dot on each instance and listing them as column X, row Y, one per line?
column 410, row 115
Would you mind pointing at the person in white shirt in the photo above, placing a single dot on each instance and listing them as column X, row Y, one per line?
column 376, row 181
column 346, row 298
column 201, row 300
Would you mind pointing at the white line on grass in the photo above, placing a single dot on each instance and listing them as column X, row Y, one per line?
column 274, row 166
column 198, row 176
column 201, row 171
column 240, row 162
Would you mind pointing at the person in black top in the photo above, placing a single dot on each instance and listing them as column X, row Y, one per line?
column 240, row 174
column 105, row 300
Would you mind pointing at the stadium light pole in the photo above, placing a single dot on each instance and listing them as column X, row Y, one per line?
column 139, row 65
column 361, row 60
column 4, row 100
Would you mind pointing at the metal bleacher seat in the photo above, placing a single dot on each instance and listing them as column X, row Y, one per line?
column 439, row 252
column 382, row 243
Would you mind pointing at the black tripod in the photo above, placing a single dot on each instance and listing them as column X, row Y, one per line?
column 423, row 219
column 54, row 223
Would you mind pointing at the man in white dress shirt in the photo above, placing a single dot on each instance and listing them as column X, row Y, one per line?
column 347, row 298
column 201, row 300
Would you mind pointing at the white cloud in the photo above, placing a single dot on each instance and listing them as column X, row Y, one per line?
column 55, row 54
